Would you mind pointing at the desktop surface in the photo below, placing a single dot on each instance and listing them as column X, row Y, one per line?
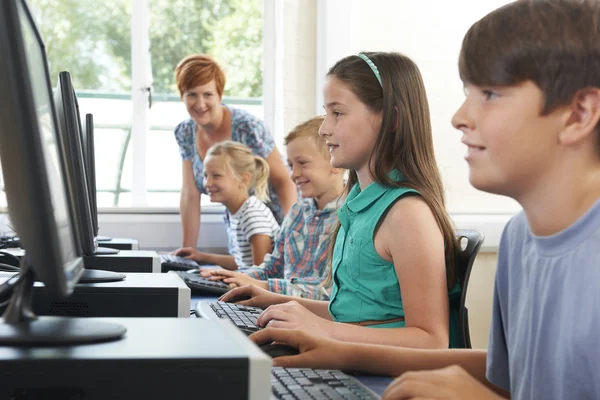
column 157, row 358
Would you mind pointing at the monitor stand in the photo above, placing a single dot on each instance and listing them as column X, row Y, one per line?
column 100, row 276
column 21, row 327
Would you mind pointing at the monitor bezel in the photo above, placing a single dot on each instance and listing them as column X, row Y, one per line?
column 90, row 160
column 26, row 184
column 69, row 124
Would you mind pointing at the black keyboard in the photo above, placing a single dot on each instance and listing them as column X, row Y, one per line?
column 172, row 262
column 196, row 282
column 244, row 317
column 305, row 383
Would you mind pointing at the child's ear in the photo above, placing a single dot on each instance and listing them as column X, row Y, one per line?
column 336, row 171
column 246, row 178
column 583, row 118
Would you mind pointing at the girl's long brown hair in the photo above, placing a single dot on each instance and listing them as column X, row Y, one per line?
column 405, row 141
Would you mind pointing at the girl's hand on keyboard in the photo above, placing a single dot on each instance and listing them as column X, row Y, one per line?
column 192, row 254
column 292, row 315
column 236, row 279
column 206, row 272
column 257, row 297
column 315, row 352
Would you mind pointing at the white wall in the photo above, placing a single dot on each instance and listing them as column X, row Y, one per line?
column 430, row 32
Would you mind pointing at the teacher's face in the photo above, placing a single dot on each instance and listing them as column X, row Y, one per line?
column 203, row 103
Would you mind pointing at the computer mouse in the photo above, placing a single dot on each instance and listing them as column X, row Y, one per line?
column 275, row 350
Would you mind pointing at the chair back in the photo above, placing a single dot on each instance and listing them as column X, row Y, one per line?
column 469, row 242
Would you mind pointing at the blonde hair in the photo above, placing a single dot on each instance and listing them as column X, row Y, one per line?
column 240, row 160
column 309, row 129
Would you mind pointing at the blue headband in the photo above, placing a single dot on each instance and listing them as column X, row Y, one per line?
column 373, row 67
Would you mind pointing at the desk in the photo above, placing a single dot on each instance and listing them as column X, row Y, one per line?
column 378, row 384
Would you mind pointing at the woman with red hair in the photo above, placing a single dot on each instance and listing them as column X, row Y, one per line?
column 201, row 82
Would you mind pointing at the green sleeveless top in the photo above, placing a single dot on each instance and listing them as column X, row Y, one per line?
column 365, row 286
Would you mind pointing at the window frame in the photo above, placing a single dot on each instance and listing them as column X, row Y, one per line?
column 141, row 83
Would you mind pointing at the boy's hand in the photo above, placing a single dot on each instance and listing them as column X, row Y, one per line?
column 256, row 297
column 236, row 279
column 292, row 315
column 315, row 352
column 191, row 254
column 448, row 383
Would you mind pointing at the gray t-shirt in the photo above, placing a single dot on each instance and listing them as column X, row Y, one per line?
column 545, row 332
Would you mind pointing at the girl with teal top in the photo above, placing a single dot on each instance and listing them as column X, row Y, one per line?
column 393, row 252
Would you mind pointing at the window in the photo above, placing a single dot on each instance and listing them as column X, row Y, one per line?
column 93, row 42
column 230, row 31
column 102, row 45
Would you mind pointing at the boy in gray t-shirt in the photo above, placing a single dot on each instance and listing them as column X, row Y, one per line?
column 530, row 121
column 546, row 318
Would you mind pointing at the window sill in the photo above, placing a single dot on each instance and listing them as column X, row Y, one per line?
column 160, row 228
column 206, row 209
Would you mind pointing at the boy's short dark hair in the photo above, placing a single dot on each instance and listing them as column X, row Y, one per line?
column 554, row 43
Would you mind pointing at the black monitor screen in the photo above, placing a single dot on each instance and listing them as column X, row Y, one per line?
column 30, row 153
column 90, row 162
column 67, row 111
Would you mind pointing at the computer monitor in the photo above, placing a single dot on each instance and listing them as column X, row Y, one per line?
column 37, row 196
column 89, row 155
column 69, row 124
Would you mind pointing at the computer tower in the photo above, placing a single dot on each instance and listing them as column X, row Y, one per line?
column 139, row 295
column 159, row 358
column 123, row 261
column 119, row 244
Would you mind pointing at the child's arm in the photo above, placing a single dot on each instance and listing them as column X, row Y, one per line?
column 222, row 260
column 319, row 352
column 271, row 267
column 409, row 236
column 260, row 245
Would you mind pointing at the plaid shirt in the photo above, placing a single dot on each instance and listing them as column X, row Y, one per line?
column 298, row 263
